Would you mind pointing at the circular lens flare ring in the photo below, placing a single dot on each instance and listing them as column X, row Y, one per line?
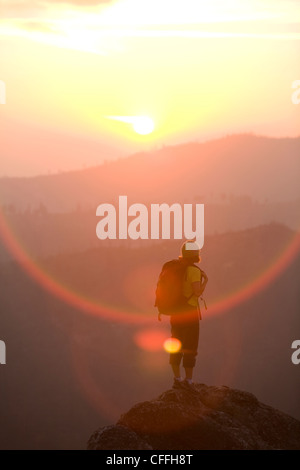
column 51, row 285
column 88, row 306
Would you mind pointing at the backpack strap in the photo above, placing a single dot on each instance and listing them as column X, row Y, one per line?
column 201, row 297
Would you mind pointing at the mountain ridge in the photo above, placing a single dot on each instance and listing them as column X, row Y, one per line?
column 145, row 153
column 251, row 165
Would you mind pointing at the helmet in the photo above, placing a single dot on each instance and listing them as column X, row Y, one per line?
column 190, row 249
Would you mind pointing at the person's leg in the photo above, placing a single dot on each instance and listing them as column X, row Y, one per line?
column 175, row 358
column 190, row 349
column 176, row 371
column 189, row 373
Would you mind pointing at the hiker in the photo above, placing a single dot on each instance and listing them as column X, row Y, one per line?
column 180, row 285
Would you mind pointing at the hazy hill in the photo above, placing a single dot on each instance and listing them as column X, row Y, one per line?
column 42, row 233
column 244, row 181
column 260, row 167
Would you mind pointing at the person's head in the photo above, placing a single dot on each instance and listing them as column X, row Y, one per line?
column 190, row 252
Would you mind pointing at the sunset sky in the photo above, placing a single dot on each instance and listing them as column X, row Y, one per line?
column 79, row 73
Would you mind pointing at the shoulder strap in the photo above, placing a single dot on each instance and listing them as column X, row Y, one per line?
column 201, row 297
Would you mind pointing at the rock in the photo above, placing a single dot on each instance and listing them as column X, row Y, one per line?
column 206, row 417
column 116, row 438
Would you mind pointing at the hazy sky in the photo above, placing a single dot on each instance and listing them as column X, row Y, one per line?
column 198, row 69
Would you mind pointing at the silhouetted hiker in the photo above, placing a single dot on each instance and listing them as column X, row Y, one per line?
column 179, row 287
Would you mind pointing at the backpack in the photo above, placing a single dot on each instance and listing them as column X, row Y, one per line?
column 169, row 298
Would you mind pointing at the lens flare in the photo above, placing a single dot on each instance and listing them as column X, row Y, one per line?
column 56, row 287
column 273, row 270
column 172, row 345
column 150, row 339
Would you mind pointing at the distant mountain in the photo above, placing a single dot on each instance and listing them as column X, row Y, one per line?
column 244, row 181
column 42, row 233
column 264, row 169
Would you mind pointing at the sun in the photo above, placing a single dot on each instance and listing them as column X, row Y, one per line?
column 143, row 125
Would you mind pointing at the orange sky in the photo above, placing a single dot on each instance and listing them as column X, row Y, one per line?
column 198, row 69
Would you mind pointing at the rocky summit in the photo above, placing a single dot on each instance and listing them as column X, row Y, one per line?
column 202, row 417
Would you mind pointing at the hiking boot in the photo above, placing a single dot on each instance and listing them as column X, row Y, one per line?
column 177, row 383
column 189, row 386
